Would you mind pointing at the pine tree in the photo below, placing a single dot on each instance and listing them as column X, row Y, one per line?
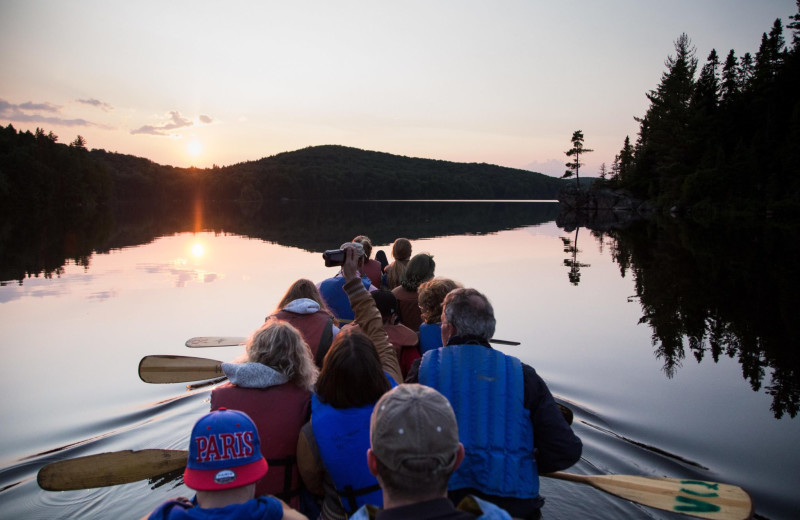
column 730, row 78
column 663, row 146
column 794, row 25
column 746, row 72
column 706, row 90
column 575, row 165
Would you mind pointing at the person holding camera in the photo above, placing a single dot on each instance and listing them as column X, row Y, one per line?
column 357, row 370
column 332, row 289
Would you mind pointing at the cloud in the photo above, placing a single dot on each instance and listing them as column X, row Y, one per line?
column 47, row 107
column 105, row 107
column 175, row 121
column 29, row 113
column 553, row 167
column 206, row 119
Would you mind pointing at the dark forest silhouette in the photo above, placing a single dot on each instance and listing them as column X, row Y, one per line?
column 724, row 140
column 38, row 172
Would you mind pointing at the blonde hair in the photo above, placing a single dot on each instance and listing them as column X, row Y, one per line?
column 431, row 295
column 280, row 346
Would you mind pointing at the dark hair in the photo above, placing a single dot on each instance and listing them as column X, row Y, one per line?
column 385, row 301
column 401, row 250
column 419, row 269
column 352, row 374
column 380, row 256
column 425, row 481
column 302, row 288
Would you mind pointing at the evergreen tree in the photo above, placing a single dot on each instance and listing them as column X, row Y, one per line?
column 663, row 146
column 746, row 71
column 706, row 90
column 79, row 143
column 626, row 160
column 575, row 165
column 794, row 25
column 603, row 172
column 730, row 78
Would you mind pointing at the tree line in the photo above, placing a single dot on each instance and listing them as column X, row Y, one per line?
column 724, row 139
column 38, row 172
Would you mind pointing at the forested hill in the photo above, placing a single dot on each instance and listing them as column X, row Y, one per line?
column 341, row 172
column 36, row 171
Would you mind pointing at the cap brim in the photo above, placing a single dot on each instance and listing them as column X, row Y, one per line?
column 207, row 479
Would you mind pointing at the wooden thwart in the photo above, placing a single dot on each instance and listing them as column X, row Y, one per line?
column 178, row 369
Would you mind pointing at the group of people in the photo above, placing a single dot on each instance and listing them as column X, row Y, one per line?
column 350, row 405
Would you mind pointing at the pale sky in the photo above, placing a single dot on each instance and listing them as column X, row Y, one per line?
column 220, row 82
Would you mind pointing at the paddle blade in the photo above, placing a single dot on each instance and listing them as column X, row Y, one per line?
column 689, row 497
column 214, row 341
column 178, row 369
column 109, row 469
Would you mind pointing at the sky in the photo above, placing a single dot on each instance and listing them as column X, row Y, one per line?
column 202, row 83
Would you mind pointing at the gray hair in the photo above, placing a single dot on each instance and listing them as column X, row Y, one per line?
column 470, row 312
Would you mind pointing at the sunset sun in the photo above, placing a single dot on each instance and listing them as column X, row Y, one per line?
column 194, row 148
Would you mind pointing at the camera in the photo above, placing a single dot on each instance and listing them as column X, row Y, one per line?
column 333, row 257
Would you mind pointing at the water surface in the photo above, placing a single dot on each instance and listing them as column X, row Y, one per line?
column 74, row 331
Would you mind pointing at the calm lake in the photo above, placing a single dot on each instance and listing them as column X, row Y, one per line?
column 675, row 347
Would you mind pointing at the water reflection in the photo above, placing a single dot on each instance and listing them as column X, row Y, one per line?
column 571, row 247
column 712, row 292
column 706, row 292
column 40, row 245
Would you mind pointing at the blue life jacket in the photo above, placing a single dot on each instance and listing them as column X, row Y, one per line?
column 342, row 435
column 332, row 291
column 486, row 389
column 430, row 336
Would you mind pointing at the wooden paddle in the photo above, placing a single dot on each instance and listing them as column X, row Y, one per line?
column 178, row 369
column 109, row 469
column 232, row 341
column 690, row 497
column 182, row 369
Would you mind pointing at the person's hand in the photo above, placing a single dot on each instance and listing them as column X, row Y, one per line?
column 350, row 266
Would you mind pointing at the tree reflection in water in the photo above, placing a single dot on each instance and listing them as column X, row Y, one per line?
column 718, row 291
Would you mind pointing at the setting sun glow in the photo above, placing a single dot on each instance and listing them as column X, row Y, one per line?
column 198, row 250
column 194, row 148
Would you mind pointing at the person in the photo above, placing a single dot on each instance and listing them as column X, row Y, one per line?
column 403, row 339
column 303, row 307
column 223, row 466
column 414, row 449
column 358, row 369
column 401, row 253
column 372, row 268
column 487, row 386
column 331, row 288
column 274, row 382
column 420, row 269
column 380, row 256
column 431, row 296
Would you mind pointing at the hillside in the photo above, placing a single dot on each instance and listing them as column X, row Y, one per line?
column 36, row 171
column 339, row 172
